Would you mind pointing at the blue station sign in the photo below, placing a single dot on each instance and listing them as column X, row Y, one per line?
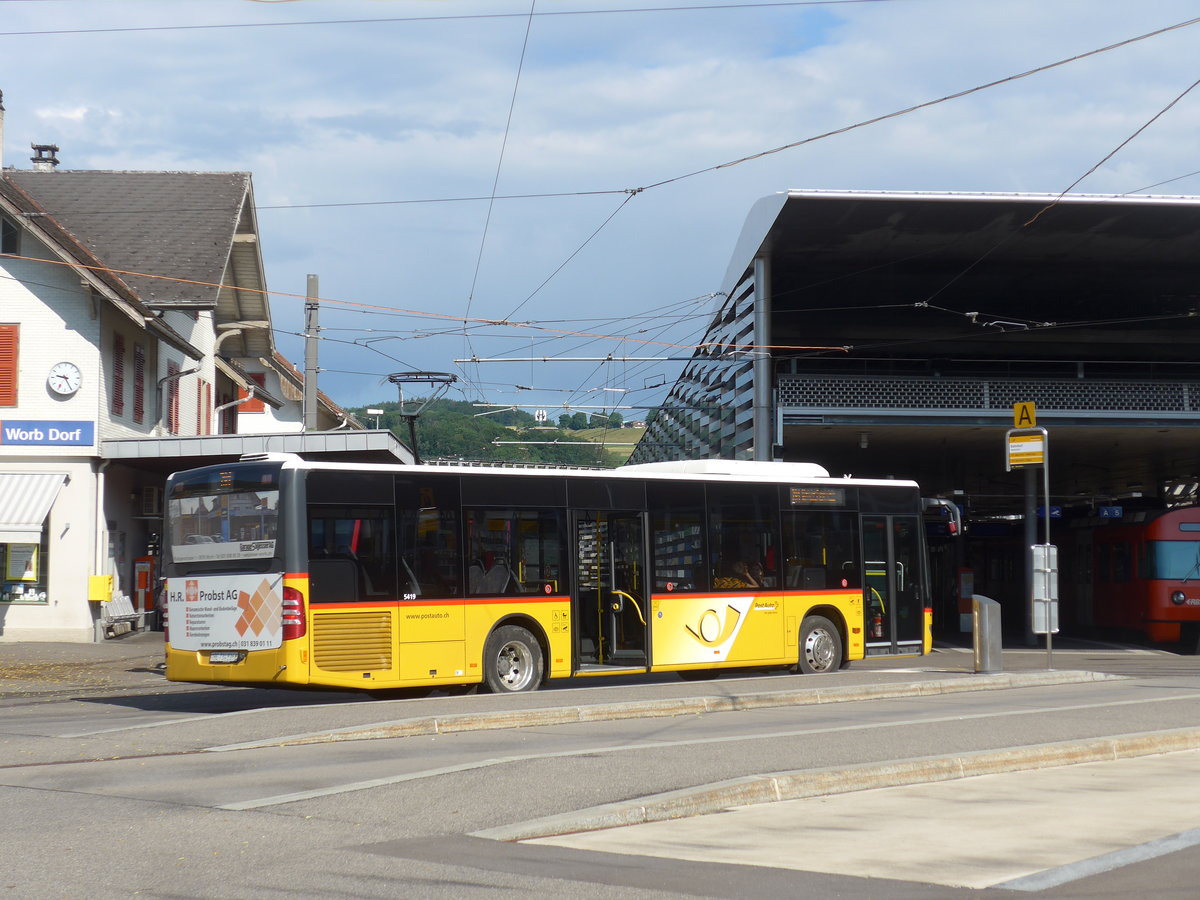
column 30, row 433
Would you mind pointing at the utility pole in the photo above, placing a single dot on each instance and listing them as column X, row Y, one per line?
column 311, row 310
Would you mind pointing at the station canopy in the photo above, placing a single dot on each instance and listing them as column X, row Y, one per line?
column 1087, row 305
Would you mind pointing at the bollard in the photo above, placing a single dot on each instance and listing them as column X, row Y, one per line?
column 985, row 621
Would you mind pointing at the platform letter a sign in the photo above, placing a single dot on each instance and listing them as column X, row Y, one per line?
column 1024, row 415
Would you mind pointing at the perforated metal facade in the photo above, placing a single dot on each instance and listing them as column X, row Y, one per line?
column 1086, row 398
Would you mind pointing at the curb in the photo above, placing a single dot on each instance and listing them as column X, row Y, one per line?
column 805, row 783
column 683, row 706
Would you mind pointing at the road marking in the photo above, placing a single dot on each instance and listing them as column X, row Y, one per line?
column 210, row 717
column 349, row 787
column 1106, row 862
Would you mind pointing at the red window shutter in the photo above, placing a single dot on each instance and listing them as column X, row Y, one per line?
column 9, row 339
column 118, row 380
column 255, row 405
column 199, row 406
column 139, row 383
column 208, row 408
column 173, row 399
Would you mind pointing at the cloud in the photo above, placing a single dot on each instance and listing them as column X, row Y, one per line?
column 408, row 111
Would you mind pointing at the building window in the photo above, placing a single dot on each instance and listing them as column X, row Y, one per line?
column 139, row 383
column 118, row 375
column 255, row 405
column 25, row 568
column 10, row 237
column 9, row 339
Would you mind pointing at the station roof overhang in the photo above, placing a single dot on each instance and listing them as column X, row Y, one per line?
column 1020, row 275
column 173, row 454
column 983, row 285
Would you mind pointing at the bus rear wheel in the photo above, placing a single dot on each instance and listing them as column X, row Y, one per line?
column 512, row 661
column 820, row 646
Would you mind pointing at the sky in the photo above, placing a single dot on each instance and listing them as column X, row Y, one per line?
column 543, row 181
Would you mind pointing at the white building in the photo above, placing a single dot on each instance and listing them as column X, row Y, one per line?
column 134, row 324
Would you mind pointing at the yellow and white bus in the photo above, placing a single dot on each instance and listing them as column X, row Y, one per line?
column 281, row 571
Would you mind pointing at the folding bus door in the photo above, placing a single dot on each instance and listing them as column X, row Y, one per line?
column 609, row 607
column 894, row 604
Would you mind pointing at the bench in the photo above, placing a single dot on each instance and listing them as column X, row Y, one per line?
column 118, row 617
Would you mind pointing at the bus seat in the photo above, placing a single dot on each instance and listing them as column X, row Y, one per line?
column 495, row 580
column 814, row 579
column 475, row 577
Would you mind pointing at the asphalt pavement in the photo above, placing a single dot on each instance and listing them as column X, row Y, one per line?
column 1137, row 786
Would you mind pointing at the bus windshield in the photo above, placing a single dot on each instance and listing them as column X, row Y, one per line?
column 220, row 514
column 1175, row 560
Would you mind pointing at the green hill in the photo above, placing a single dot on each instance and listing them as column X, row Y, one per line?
column 454, row 430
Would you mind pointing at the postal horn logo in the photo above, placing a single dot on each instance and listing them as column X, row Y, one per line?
column 713, row 629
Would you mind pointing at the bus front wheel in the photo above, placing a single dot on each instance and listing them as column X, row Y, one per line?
column 512, row 661
column 820, row 646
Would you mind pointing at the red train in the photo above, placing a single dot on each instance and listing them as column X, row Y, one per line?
column 1140, row 573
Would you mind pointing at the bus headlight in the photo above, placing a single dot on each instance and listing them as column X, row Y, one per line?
column 1179, row 598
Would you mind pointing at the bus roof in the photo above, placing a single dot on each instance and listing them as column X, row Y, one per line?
column 682, row 470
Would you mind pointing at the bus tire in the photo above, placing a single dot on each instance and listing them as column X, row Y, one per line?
column 820, row 646
column 512, row 661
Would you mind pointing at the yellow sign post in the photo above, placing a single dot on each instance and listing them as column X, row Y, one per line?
column 1028, row 446
column 1026, row 450
column 1024, row 415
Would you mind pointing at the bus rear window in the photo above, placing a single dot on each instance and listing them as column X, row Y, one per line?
column 224, row 514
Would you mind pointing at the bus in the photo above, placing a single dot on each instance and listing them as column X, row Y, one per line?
column 282, row 571
column 1141, row 573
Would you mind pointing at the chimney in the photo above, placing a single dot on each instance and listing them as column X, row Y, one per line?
column 44, row 159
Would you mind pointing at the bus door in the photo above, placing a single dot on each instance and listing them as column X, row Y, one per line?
column 609, row 604
column 893, row 594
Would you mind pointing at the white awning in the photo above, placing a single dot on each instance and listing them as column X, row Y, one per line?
column 25, row 501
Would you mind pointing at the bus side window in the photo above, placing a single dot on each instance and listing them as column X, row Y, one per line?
column 513, row 551
column 428, row 536
column 678, row 541
column 743, row 524
column 350, row 553
column 821, row 551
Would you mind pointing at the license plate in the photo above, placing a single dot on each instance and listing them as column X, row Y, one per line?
column 224, row 656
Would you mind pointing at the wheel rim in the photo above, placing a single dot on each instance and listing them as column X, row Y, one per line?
column 514, row 666
column 820, row 650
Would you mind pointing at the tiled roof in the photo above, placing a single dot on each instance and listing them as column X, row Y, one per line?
column 174, row 224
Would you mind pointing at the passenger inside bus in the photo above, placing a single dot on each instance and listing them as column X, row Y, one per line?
column 740, row 574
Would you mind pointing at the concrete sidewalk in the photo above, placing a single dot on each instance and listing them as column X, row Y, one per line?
column 1028, row 830
column 39, row 668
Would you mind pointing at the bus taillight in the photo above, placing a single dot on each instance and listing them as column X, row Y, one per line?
column 294, row 625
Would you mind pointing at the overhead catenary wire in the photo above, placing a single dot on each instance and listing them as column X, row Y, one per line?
column 592, row 336
column 225, row 26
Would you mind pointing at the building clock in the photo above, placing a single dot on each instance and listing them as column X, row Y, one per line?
column 64, row 379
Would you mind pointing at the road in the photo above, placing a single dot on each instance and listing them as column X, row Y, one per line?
column 146, row 788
